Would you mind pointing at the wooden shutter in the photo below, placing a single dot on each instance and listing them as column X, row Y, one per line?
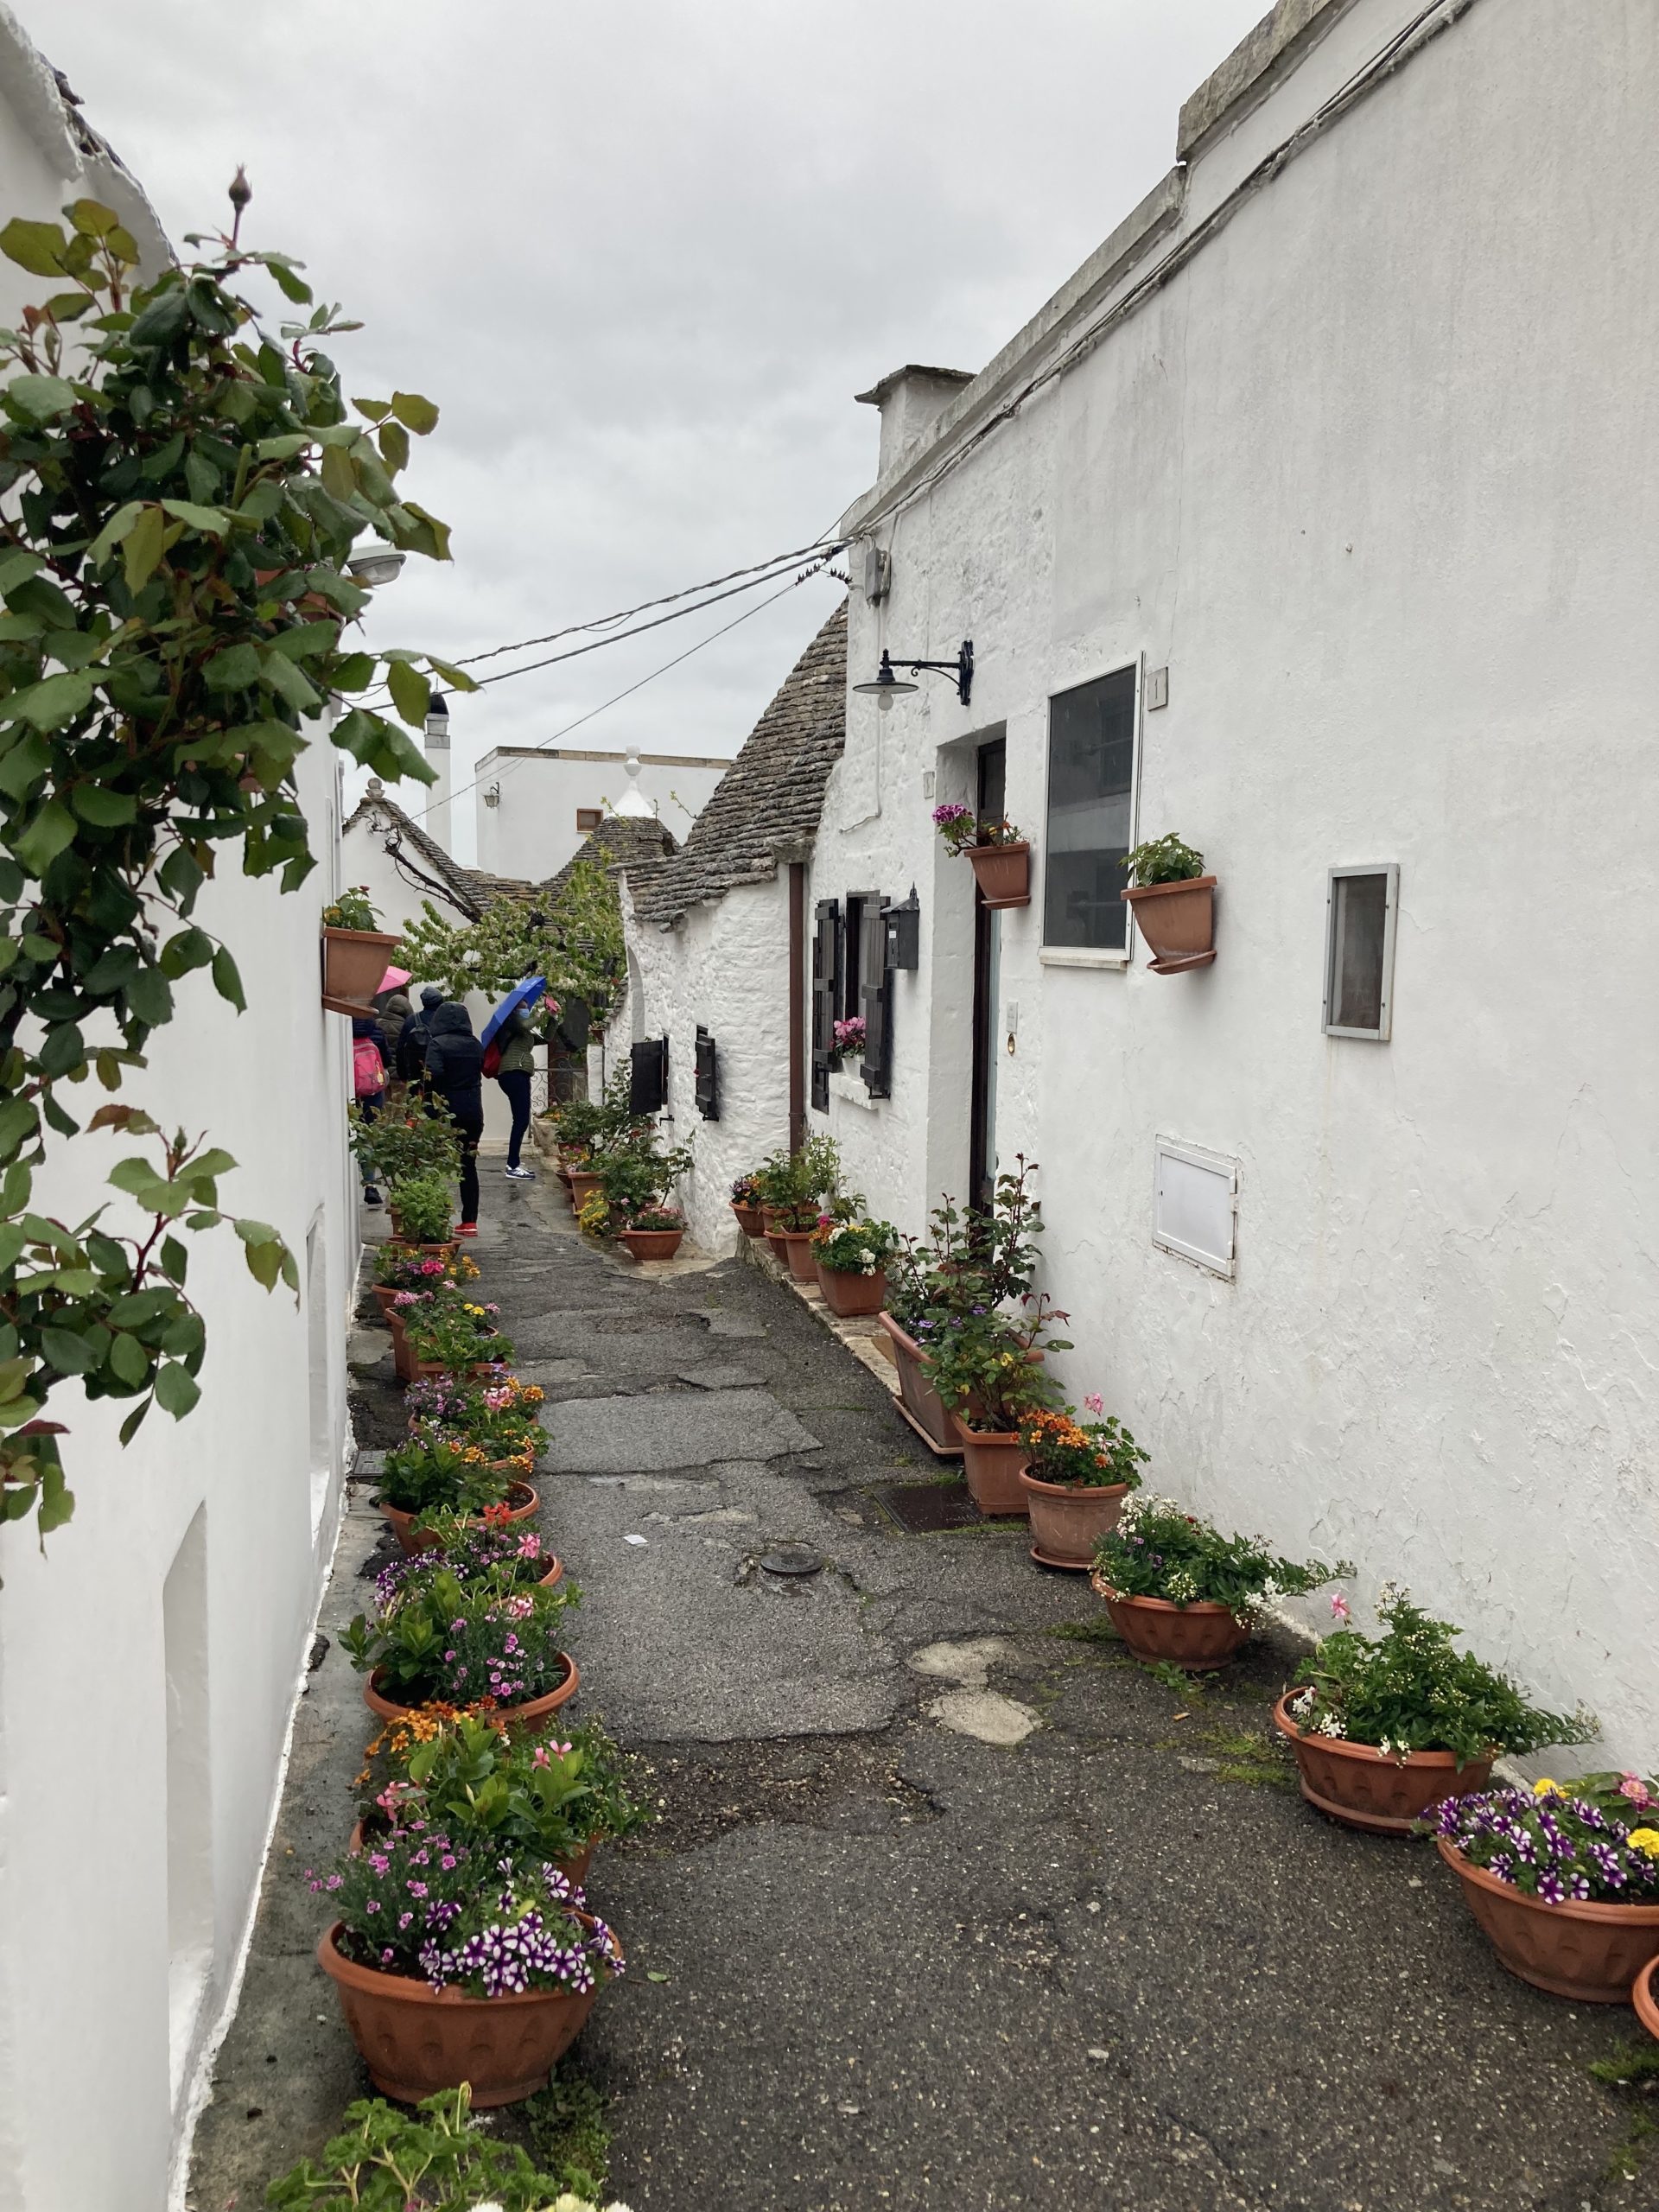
column 877, row 993
column 648, row 1075
column 707, row 1083
column 826, row 995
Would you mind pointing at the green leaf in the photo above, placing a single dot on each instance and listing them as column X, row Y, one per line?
column 174, row 1259
column 50, row 833
column 290, row 286
column 14, row 1373
column 339, row 477
column 411, row 694
column 69, row 1353
column 226, row 982
column 128, row 1360
column 283, row 448
column 24, row 764
column 103, row 808
column 415, row 413
column 394, row 446
column 39, row 399
column 456, row 679
column 131, row 1425
column 113, row 531
column 213, row 522
column 287, row 681
column 57, row 1502
column 141, row 550
column 236, row 669
column 38, row 247
column 176, row 1392
column 19, row 1121
column 355, row 673
column 14, row 565
column 139, row 1180
column 94, row 218
column 149, row 998
column 306, row 640
column 50, row 704
column 376, row 410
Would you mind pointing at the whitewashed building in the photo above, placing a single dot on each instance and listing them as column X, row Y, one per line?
column 1316, row 519
column 149, row 1660
column 537, row 804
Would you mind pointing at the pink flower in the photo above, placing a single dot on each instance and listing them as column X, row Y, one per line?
column 1633, row 1787
column 1340, row 1606
column 1095, row 1403
column 541, row 1757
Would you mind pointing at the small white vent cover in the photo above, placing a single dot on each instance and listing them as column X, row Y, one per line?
column 1195, row 1205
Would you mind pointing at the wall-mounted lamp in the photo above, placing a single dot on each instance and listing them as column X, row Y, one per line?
column 375, row 564
column 887, row 686
column 493, row 795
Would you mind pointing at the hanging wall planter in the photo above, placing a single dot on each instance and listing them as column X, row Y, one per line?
column 355, row 955
column 998, row 856
column 1174, row 905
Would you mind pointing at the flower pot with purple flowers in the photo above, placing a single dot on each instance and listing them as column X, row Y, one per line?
column 443, row 1639
column 998, row 856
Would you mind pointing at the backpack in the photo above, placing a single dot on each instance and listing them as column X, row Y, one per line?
column 368, row 1069
column 492, row 1056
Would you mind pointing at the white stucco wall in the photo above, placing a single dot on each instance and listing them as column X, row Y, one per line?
column 726, row 966
column 241, row 1499
column 1377, row 477
column 530, row 832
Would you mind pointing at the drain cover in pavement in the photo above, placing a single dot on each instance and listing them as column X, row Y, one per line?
column 921, row 1508
column 792, row 1563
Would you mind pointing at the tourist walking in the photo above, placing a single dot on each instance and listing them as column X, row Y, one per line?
column 516, row 1043
column 454, row 1071
column 413, row 1037
column 368, row 1082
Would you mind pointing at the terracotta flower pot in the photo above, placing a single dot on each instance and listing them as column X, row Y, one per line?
column 1591, row 1952
column 516, row 1716
column 921, row 1404
column 444, row 1249
column 582, row 1186
column 416, row 2040
column 1178, row 920
column 1644, row 1995
column 653, row 1244
column 521, row 1499
column 797, row 1250
column 384, row 1295
column 748, row 1219
column 849, row 1290
column 354, row 961
column 1360, row 1786
column 1067, row 1518
column 1197, row 1636
column 993, row 1462
column 1002, row 872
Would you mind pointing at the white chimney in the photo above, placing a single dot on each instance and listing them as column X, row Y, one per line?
column 437, row 823
column 910, row 400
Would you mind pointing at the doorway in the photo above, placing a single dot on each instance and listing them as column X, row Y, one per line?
column 991, row 777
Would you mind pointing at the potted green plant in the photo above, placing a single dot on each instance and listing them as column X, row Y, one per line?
column 654, row 1233
column 851, row 1258
column 1076, row 1478
column 610, row 1128
column 634, row 1182
column 1173, row 902
column 438, row 2152
column 1179, row 1590
column 498, row 1414
column 404, row 1141
column 746, row 1204
column 1564, row 1882
column 985, row 1366
column 355, row 954
column 421, row 1213
column 457, row 1961
column 998, row 856
column 445, row 1642
column 793, row 1187
column 1386, row 1726
column 447, row 1332
column 423, row 1478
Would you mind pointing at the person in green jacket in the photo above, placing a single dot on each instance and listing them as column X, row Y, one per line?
column 518, row 1059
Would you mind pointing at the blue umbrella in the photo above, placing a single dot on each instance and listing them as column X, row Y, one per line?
column 524, row 994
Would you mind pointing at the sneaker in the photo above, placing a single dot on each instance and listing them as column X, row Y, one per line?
column 466, row 1229
column 372, row 1196
column 522, row 1174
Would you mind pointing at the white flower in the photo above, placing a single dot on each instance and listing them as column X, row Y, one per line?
column 1330, row 1726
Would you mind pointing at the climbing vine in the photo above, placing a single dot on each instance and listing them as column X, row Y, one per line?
column 181, row 494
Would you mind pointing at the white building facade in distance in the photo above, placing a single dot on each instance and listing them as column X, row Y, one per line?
column 537, row 807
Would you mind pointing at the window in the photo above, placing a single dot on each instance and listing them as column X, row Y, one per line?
column 1090, row 801
column 588, row 818
column 1195, row 1205
column 1359, row 919
column 860, row 906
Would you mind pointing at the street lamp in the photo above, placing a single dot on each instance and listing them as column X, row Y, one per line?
column 886, row 686
column 375, row 564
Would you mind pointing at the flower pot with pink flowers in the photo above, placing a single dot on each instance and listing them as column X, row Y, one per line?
column 998, row 856
column 1178, row 1589
column 1077, row 1475
column 440, row 1640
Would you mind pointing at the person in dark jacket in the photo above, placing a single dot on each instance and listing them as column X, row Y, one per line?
column 518, row 1043
column 455, row 1073
column 412, row 1037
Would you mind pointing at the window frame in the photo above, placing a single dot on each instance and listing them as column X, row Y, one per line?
column 1389, row 870
column 854, row 905
column 1093, row 956
column 586, row 828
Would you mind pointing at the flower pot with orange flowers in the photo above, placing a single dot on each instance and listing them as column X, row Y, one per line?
column 443, row 1639
column 1077, row 1475
column 1178, row 1589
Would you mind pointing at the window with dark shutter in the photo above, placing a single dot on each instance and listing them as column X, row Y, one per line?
column 708, row 1086
column 877, row 996
column 648, row 1075
column 826, row 995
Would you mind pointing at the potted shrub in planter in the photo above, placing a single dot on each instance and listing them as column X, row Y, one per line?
column 793, row 1188
column 458, row 1962
column 475, row 1544
column 397, row 1267
column 1387, row 1726
column 444, row 1641
column 746, row 1204
column 1076, row 1478
column 421, row 1213
column 848, row 1038
column 984, row 1365
column 383, row 2152
column 449, row 1333
column 851, row 1257
column 404, row 1141
column 655, row 1233
column 355, row 955
column 634, row 1183
column 1173, row 902
column 998, row 856
column 1564, row 1881
column 1178, row 1589
column 423, row 1479
column 497, row 1414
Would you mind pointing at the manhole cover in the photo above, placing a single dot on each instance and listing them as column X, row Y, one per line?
column 792, row 1562
column 923, row 1508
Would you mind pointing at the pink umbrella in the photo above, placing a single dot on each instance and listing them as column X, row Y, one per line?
column 393, row 979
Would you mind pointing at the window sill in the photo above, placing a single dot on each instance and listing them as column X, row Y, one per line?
column 1069, row 955
column 851, row 1089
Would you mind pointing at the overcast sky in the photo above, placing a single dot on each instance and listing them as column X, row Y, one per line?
column 642, row 255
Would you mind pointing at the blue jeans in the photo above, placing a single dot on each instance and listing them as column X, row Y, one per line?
column 517, row 1087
